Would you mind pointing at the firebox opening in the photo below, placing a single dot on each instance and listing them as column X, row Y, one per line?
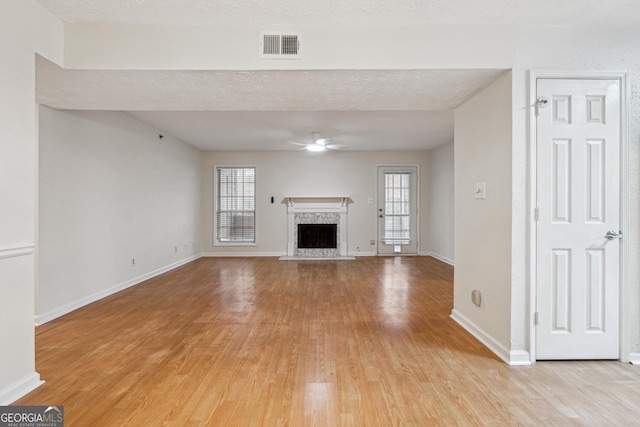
column 317, row 236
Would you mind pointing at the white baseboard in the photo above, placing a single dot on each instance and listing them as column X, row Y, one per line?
column 438, row 257
column 268, row 254
column 634, row 358
column 68, row 308
column 243, row 254
column 20, row 388
column 358, row 254
column 519, row 358
column 513, row 358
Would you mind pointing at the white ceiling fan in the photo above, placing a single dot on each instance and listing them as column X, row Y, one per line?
column 318, row 144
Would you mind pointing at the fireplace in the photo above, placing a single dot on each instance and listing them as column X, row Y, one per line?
column 317, row 236
column 317, row 227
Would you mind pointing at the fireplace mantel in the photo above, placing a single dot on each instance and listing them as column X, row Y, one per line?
column 312, row 203
column 320, row 210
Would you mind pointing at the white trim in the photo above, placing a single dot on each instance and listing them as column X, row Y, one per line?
column 311, row 258
column 20, row 388
column 359, row 254
column 438, row 257
column 634, row 358
column 235, row 244
column 17, row 251
column 512, row 358
column 622, row 76
column 397, row 255
column 519, row 358
column 68, row 308
column 625, row 283
column 531, row 218
column 242, row 254
column 271, row 254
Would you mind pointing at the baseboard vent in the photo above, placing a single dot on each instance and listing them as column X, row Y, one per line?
column 279, row 46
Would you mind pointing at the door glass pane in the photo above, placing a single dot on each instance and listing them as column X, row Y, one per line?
column 397, row 207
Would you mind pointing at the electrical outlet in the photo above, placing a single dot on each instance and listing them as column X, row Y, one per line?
column 133, row 262
column 476, row 297
column 175, row 249
column 372, row 242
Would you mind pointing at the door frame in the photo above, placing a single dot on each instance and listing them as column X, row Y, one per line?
column 622, row 77
column 386, row 165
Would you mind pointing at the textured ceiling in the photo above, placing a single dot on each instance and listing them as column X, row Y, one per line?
column 271, row 130
column 215, row 12
column 251, row 110
column 257, row 90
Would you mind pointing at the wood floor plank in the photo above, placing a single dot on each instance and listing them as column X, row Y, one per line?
column 258, row 341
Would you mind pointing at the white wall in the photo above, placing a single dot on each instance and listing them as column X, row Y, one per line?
column 483, row 226
column 110, row 191
column 299, row 173
column 25, row 28
column 441, row 202
column 327, row 46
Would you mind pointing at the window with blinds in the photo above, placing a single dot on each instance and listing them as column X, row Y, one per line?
column 236, row 204
column 397, row 208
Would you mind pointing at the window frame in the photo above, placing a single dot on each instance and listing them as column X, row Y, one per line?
column 216, row 206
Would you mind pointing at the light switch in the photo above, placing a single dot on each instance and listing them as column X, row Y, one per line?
column 481, row 190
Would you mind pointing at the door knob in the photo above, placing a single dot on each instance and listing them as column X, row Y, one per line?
column 381, row 216
column 613, row 235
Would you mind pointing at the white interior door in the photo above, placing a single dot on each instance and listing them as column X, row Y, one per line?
column 578, row 203
column 397, row 210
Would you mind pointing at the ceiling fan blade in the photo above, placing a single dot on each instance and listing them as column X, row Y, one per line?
column 335, row 146
column 297, row 143
column 323, row 141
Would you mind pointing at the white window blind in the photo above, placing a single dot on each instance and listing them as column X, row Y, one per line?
column 397, row 207
column 236, row 203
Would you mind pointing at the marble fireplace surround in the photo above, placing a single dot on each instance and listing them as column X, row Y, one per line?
column 317, row 210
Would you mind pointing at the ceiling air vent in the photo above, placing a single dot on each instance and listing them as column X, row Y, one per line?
column 279, row 46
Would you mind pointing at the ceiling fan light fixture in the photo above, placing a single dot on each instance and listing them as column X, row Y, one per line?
column 316, row 147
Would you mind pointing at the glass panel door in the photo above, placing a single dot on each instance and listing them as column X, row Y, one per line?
column 397, row 210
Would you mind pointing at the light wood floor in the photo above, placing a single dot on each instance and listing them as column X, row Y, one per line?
column 251, row 342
